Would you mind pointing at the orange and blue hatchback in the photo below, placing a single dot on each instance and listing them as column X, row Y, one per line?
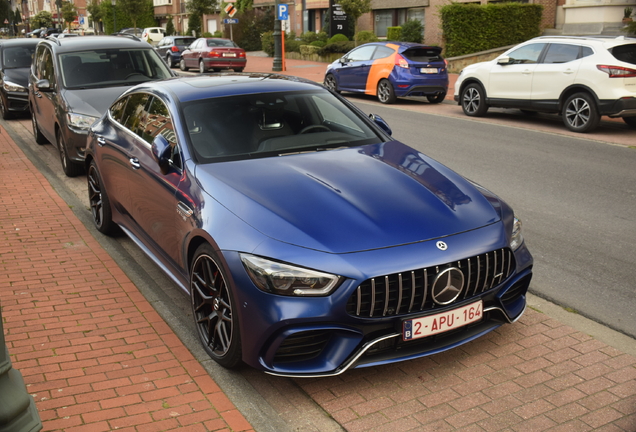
column 390, row 70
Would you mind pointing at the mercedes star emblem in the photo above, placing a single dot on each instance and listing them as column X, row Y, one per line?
column 448, row 286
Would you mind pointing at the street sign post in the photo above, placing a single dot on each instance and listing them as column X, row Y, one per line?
column 231, row 21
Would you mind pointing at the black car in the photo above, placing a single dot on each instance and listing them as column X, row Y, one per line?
column 15, row 56
column 170, row 48
column 74, row 80
column 136, row 31
column 50, row 32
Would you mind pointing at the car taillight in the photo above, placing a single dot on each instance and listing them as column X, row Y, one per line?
column 214, row 54
column 401, row 61
column 174, row 49
column 241, row 54
column 617, row 71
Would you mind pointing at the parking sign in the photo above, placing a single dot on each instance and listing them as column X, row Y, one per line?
column 282, row 13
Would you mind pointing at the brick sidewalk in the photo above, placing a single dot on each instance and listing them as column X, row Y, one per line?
column 92, row 351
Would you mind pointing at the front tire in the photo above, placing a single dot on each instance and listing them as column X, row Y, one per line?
column 99, row 202
column 39, row 138
column 580, row 113
column 473, row 100
column 386, row 94
column 435, row 99
column 331, row 83
column 71, row 169
column 202, row 68
column 213, row 308
column 182, row 65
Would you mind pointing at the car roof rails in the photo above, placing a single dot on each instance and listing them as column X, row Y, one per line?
column 53, row 39
column 128, row 35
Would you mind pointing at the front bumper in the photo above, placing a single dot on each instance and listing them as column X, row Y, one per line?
column 17, row 101
column 324, row 336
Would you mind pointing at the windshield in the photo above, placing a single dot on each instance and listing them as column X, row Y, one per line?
column 17, row 57
column 111, row 67
column 267, row 124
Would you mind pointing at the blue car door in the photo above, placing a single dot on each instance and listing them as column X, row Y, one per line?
column 354, row 69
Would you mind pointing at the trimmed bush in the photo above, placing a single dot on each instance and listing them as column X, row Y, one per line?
column 341, row 47
column 307, row 50
column 318, row 43
column 412, row 31
column 366, row 36
column 470, row 28
column 338, row 38
column 393, row 33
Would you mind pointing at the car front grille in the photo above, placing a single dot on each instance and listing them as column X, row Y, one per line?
column 410, row 291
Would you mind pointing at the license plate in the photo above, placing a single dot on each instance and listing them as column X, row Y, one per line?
column 229, row 54
column 428, row 70
column 442, row 322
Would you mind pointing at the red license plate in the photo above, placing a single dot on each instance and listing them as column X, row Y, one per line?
column 433, row 324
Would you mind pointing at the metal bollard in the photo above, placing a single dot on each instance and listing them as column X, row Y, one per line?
column 17, row 408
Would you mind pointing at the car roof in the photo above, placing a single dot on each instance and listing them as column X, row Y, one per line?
column 193, row 88
column 103, row 42
column 609, row 41
column 19, row 42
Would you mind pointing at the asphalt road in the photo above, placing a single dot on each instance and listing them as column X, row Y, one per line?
column 576, row 197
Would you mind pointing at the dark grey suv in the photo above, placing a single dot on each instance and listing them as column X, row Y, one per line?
column 73, row 81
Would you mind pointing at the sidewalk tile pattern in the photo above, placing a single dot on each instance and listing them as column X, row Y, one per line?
column 93, row 352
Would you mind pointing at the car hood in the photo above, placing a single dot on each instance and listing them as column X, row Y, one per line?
column 350, row 200
column 93, row 102
column 18, row 75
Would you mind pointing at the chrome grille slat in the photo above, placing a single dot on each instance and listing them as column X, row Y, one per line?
column 399, row 297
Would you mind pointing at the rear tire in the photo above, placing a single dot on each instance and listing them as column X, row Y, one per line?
column 239, row 70
column 580, row 114
column 182, row 65
column 631, row 121
column 202, row 68
column 473, row 99
column 169, row 61
column 386, row 94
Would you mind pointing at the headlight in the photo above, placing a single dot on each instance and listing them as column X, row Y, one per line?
column 516, row 238
column 80, row 121
column 285, row 279
column 13, row 87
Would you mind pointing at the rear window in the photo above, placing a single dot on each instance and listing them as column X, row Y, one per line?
column 221, row 43
column 625, row 53
column 423, row 54
column 183, row 41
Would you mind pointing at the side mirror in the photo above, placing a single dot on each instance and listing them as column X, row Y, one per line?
column 381, row 123
column 505, row 60
column 43, row 85
column 161, row 151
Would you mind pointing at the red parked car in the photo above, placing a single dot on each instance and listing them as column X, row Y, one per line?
column 213, row 53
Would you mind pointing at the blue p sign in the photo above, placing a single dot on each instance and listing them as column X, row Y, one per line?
column 283, row 12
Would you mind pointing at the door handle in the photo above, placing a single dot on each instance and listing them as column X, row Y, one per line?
column 184, row 211
column 134, row 162
column 101, row 141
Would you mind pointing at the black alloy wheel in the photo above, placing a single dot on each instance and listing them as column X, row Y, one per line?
column 435, row 99
column 212, row 307
column 39, row 138
column 580, row 114
column 331, row 84
column 386, row 94
column 182, row 65
column 473, row 100
column 71, row 169
column 99, row 201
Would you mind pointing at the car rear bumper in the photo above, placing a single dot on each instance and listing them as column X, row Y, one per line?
column 225, row 63
column 623, row 107
column 406, row 83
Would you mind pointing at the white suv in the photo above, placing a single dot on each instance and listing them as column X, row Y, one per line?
column 581, row 78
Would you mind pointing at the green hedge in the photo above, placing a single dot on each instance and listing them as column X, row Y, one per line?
column 393, row 33
column 470, row 28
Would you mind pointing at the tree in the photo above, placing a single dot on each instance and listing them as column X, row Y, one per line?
column 355, row 9
column 95, row 10
column 134, row 9
column 170, row 26
column 196, row 9
column 42, row 19
column 69, row 13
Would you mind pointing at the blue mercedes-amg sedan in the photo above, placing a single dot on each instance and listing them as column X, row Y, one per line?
column 309, row 241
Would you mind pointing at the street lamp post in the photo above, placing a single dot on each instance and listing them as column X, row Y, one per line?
column 277, row 66
column 112, row 2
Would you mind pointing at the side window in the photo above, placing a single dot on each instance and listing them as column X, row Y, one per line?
column 382, row 52
column 561, row 53
column 117, row 109
column 44, row 65
column 527, row 54
column 586, row 51
column 199, row 44
column 158, row 122
column 362, row 53
column 162, row 42
column 135, row 112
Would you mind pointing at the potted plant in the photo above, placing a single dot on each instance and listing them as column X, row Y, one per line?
column 627, row 15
